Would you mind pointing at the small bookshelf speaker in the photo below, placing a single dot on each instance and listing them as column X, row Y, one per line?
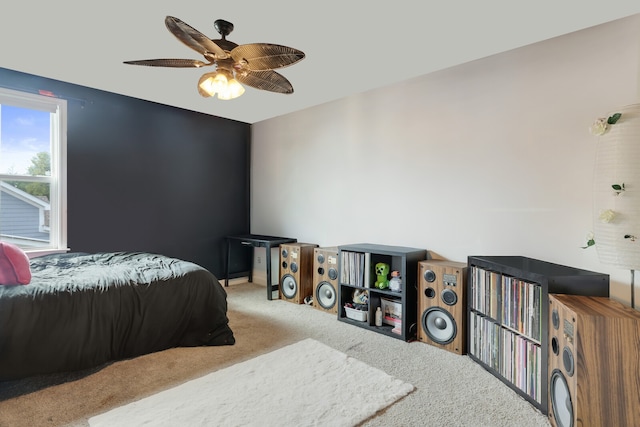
column 442, row 305
column 296, row 271
column 325, row 279
column 594, row 375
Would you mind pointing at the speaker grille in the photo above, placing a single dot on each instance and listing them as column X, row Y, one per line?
column 567, row 360
column 561, row 400
column 555, row 319
column 326, row 295
column 429, row 276
column 289, row 286
column 439, row 325
column 449, row 297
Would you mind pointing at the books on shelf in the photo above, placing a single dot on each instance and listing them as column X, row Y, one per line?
column 367, row 270
column 356, row 269
column 522, row 310
column 485, row 294
column 391, row 312
column 511, row 301
column 506, row 327
column 516, row 358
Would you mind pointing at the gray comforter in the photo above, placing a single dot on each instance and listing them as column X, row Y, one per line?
column 82, row 310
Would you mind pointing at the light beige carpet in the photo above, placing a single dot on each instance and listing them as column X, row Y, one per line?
column 303, row 384
column 450, row 390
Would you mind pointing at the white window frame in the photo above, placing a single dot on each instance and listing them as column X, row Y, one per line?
column 58, row 179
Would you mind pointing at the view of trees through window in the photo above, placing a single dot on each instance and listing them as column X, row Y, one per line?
column 26, row 143
column 40, row 166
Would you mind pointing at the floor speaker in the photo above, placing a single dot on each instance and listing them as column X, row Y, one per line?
column 325, row 279
column 296, row 271
column 594, row 363
column 442, row 304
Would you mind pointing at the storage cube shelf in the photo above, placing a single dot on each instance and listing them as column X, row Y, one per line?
column 508, row 308
column 356, row 273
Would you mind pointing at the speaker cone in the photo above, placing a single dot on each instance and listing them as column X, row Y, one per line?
column 439, row 325
column 449, row 297
column 561, row 400
column 555, row 319
column 326, row 295
column 285, row 253
column 294, row 267
column 429, row 276
column 333, row 273
column 320, row 258
column 289, row 286
column 567, row 360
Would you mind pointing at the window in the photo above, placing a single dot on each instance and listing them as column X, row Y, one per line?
column 33, row 139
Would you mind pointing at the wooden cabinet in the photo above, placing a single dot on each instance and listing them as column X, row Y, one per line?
column 357, row 274
column 508, row 317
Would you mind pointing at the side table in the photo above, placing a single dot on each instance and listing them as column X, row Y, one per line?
column 255, row 241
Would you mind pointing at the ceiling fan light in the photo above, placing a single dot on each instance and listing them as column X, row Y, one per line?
column 205, row 85
column 220, row 82
column 232, row 90
column 235, row 88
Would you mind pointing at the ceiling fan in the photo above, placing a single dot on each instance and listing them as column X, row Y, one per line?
column 250, row 64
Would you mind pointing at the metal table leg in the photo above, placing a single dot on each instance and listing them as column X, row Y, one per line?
column 227, row 264
column 268, row 261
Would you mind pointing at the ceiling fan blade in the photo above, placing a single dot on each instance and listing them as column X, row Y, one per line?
column 265, row 56
column 194, row 38
column 176, row 63
column 265, row 80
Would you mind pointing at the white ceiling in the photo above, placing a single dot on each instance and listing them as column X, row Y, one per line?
column 351, row 46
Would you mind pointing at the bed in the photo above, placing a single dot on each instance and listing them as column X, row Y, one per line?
column 82, row 310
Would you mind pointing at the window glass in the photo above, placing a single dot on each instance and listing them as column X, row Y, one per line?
column 32, row 171
column 25, row 141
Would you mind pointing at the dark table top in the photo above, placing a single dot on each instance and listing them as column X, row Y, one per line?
column 259, row 238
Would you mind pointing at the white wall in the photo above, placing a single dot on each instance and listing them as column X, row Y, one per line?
column 491, row 157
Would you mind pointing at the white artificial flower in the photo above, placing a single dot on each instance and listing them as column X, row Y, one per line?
column 607, row 216
column 599, row 127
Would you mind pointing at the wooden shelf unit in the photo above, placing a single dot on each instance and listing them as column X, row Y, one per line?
column 508, row 324
column 403, row 259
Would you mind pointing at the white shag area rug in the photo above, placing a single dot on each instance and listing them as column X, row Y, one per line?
column 303, row 384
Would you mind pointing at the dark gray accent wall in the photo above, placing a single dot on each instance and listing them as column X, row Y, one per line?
column 149, row 177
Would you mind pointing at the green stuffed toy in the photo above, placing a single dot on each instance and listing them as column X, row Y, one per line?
column 382, row 273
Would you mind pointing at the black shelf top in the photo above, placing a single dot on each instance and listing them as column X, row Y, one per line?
column 535, row 266
column 380, row 249
column 262, row 238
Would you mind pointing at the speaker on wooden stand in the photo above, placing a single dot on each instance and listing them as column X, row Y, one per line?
column 594, row 362
column 442, row 304
column 325, row 279
column 296, row 271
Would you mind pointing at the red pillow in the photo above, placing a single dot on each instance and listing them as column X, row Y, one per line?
column 14, row 265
